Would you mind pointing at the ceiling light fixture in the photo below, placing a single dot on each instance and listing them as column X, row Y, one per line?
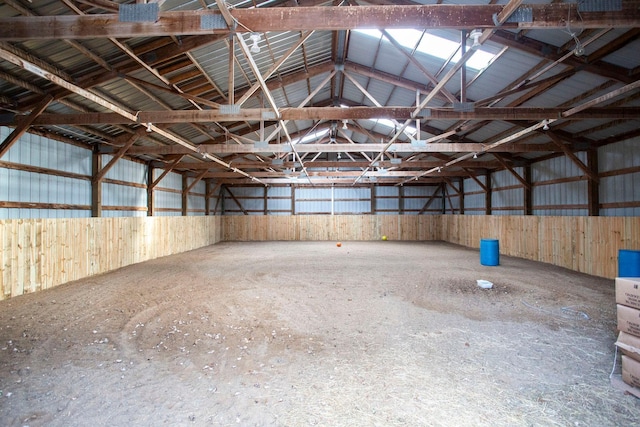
column 149, row 127
column 255, row 38
column 545, row 124
column 475, row 155
column 344, row 125
column 475, row 35
column 339, row 156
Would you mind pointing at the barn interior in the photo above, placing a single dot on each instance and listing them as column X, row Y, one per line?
column 273, row 212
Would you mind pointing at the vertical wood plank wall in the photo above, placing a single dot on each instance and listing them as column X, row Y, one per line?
column 331, row 227
column 586, row 244
column 38, row 254
column 42, row 253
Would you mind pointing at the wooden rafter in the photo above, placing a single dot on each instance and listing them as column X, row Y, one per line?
column 544, row 16
column 20, row 130
column 331, row 113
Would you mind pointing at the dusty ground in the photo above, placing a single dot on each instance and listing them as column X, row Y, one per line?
column 305, row 333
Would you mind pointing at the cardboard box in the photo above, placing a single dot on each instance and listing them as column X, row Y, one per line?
column 630, row 371
column 629, row 345
column 628, row 291
column 629, row 320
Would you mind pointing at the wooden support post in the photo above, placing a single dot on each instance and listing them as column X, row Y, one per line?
column 96, row 185
column 461, row 195
column 401, row 201
column 221, row 199
column 373, row 199
column 528, row 191
column 293, row 200
column 207, row 197
column 487, row 194
column 266, row 201
column 232, row 55
column 185, row 195
column 593, row 185
column 150, row 190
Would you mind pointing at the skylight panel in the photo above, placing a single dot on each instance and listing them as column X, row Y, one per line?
column 409, row 130
column 311, row 137
column 430, row 44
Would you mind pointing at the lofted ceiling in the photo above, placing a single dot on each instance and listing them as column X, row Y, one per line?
column 291, row 92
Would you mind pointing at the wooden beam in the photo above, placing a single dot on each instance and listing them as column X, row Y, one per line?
column 150, row 192
column 507, row 166
column 436, row 147
column 475, row 178
column 528, row 192
column 326, row 113
column 428, row 203
column 450, row 183
column 96, row 186
column 235, row 199
column 165, row 172
column 418, row 65
column 331, row 18
column 571, row 155
column 550, row 52
column 593, row 186
column 185, row 196
column 196, row 180
column 97, row 177
column 303, row 38
column 22, row 128
column 468, row 165
column 60, row 81
column 488, row 207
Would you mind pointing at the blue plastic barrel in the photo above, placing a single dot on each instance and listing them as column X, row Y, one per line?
column 628, row 263
column 489, row 252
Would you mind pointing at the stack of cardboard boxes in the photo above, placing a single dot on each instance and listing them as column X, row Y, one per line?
column 628, row 302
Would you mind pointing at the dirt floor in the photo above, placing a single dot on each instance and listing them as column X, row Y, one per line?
column 306, row 333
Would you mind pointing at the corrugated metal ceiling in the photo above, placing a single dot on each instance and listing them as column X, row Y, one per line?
column 177, row 78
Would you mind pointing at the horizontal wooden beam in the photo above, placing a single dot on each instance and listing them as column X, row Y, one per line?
column 327, row 113
column 347, row 148
column 323, row 18
column 404, row 164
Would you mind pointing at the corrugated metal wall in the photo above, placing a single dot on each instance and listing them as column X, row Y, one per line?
column 414, row 200
column 616, row 188
column 408, row 200
column 507, row 198
column 167, row 194
column 560, row 187
column 387, row 200
column 23, row 186
column 196, row 199
column 60, row 186
column 116, row 196
column 279, row 200
column 474, row 196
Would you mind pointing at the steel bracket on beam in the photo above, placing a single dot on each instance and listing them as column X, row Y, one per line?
column 464, row 107
column 143, row 12
column 229, row 109
column 419, row 143
column 212, row 22
column 521, row 14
